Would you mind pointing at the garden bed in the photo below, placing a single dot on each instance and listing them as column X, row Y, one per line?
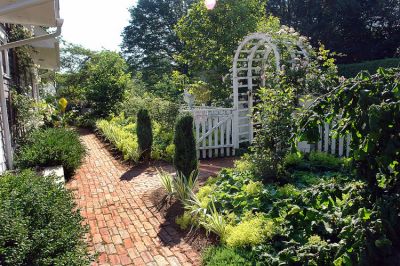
column 196, row 237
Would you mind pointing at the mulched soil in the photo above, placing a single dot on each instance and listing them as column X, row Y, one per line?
column 196, row 237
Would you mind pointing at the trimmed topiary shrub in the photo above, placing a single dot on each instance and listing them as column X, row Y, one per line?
column 39, row 223
column 144, row 134
column 185, row 158
column 51, row 147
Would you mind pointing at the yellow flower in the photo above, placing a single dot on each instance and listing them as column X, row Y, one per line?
column 62, row 103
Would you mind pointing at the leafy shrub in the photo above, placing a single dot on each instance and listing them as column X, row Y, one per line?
column 106, row 80
column 122, row 137
column 120, row 131
column 223, row 256
column 325, row 161
column 351, row 70
column 314, row 161
column 236, row 192
column 40, row 224
column 184, row 220
column 162, row 111
column 51, row 147
column 144, row 133
column 371, row 104
column 253, row 188
column 271, row 144
column 185, row 159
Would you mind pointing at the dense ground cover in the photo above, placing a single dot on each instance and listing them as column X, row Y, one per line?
column 51, row 147
column 39, row 223
column 121, row 132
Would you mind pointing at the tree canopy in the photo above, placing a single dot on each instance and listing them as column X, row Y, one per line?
column 210, row 37
column 359, row 29
column 149, row 41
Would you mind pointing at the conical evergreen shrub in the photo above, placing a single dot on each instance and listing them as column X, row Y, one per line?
column 144, row 134
column 185, row 158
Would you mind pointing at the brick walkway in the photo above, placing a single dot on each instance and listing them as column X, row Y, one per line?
column 125, row 226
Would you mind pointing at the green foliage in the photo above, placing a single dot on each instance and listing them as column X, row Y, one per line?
column 171, row 85
column 51, row 147
column 184, row 220
column 106, row 82
column 40, row 224
column 223, row 256
column 235, row 192
column 351, row 70
column 359, row 30
column 179, row 186
column 330, row 219
column 29, row 114
column 271, row 144
column 185, row 158
column 184, row 185
column 149, row 40
column 144, row 133
column 314, row 161
column 249, row 232
column 369, row 109
column 161, row 110
column 213, row 222
column 121, row 132
column 210, row 38
column 167, row 183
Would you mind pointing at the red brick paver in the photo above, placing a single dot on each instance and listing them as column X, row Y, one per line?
column 125, row 226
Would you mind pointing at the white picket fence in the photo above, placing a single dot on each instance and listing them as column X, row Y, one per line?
column 339, row 147
column 218, row 134
column 214, row 132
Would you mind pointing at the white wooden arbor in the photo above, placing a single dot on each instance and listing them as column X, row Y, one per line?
column 220, row 131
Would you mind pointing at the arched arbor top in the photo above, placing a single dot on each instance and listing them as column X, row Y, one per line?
column 257, row 55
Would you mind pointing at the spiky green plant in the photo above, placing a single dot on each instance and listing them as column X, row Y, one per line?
column 214, row 222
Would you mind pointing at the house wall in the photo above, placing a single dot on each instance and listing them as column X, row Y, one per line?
column 6, row 69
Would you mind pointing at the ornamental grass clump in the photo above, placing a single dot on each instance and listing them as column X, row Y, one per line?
column 144, row 134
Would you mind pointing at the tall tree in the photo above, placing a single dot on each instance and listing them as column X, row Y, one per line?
column 211, row 38
column 106, row 82
column 359, row 29
column 149, row 41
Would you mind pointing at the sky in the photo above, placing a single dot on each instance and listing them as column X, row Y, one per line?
column 95, row 24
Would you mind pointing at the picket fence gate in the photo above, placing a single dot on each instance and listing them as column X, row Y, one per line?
column 220, row 131
column 217, row 133
column 214, row 129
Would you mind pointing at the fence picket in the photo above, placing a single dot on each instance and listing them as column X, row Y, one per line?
column 209, row 120
column 326, row 137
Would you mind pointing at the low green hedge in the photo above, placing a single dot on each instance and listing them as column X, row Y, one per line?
column 39, row 223
column 351, row 70
column 121, row 132
column 51, row 147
